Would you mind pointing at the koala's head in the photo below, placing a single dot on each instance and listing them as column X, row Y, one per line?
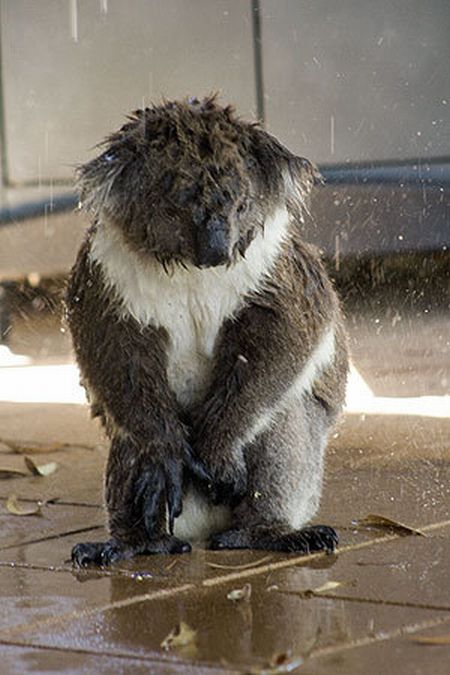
column 190, row 182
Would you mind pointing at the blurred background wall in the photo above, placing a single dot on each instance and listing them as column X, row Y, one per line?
column 359, row 87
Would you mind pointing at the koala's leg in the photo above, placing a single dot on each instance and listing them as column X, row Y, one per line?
column 285, row 469
column 137, row 514
column 123, row 365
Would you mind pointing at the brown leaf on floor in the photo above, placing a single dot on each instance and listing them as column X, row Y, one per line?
column 240, row 594
column 181, row 637
column 433, row 639
column 31, row 448
column 375, row 520
column 279, row 663
column 246, row 566
column 12, row 506
column 12, row 473
column 40, row 469
column 319, row 590
column 327, row 586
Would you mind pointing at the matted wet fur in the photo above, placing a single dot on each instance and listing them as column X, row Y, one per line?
column 208, row 336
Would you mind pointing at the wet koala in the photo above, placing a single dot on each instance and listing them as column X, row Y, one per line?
column 209, row 338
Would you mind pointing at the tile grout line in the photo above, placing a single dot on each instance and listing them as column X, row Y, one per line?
column 118, row 604
column 206, row 583
column 373, row 601
column 402, row 631
column 52, row 501
column 50, row 537
column 154, row 658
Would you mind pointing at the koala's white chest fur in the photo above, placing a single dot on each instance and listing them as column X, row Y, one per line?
column 190, row 304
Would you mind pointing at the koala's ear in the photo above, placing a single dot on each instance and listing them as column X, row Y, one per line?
column 300, row 176
column 283, row 173
column 95, row 181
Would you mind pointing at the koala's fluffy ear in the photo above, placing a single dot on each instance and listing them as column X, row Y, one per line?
column 284, row 174
column 95, row 182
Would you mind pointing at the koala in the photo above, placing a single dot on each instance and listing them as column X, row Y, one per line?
column 209, row 338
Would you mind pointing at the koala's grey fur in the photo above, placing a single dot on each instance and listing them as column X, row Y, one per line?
column 208, row 335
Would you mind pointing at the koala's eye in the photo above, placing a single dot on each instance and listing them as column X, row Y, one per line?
column 241, row 208
column 109, row 156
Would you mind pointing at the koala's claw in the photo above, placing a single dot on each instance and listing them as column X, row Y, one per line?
column 305, row 541
column 103, row 554
column 100, row 553
column 154, row 481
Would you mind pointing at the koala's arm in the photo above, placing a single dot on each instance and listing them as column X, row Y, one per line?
column 123, row 367
column 259, row 356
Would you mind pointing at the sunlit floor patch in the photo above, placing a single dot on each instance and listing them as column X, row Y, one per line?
column 60, row 384
column 360, row 399
column 41, row 384
column 9, row 359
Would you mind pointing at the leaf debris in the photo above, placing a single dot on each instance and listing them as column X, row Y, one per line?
column 375, row 520
column 432, row 639
column 245, row 566
column 284, row 662
column 319, row 590
column 6, row 472
column 240, row 594
column 40, row 469
column 181, row 637
column 33, row 448
column 13, row 506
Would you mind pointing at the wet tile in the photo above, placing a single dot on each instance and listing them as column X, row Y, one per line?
column 28, row 595
column 386, row 440
column 410, row 571
column 77, row 479
column 234, row 635
column 392, row 655
column 416, row 493
column 18, row 660
column 54, row 521
column 48, row 422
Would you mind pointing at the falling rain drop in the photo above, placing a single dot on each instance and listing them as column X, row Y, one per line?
column 73, row 8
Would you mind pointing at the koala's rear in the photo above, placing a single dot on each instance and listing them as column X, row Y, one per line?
column 208, row 336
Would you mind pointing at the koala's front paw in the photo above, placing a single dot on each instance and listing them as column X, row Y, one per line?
column 104, row 553
column 229, row 489
column 135, row 504
column 227, row 480
column 101, row 553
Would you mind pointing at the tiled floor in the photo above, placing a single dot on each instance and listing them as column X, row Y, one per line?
column 389, row 589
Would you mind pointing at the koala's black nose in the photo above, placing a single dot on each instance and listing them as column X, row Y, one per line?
column 213, row 243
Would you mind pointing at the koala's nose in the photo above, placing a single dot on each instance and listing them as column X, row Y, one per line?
column 213, row 243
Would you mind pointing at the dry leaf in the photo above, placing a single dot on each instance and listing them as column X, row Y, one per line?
column 181, row 636
column 433, row 640
column 279, row 663
column 31, row 448
column 42, row 469
column 12, row 473
column 327, row 586
column 239, row 594
column 381, row 521
column 246, row 566
column 324, row 588
column 13, row 507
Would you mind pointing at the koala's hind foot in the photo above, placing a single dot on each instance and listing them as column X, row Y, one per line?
column 102, row 554
column 307, row 540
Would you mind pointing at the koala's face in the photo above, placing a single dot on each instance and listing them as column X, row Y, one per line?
column 190, row 183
